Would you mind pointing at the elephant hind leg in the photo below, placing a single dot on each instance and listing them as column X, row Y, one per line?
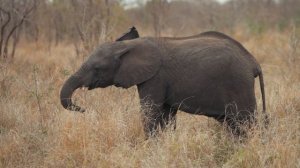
column 240, row 124
column 239, row 120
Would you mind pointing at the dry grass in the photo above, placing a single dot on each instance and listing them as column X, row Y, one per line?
column 35, row 131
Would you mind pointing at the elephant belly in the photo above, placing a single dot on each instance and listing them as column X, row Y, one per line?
column 209, row 101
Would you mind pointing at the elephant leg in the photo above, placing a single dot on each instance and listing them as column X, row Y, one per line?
column 155, row 115
column 152, row 97
column 239, row 118
column 168, row 117
column 151, row 119
column 238, row 127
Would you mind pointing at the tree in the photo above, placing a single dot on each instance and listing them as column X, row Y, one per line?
column 157, row 10
column 12, row 15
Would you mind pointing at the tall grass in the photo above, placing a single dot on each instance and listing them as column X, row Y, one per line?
column 35, row 131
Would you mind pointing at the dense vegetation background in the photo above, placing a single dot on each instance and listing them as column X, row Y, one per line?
column 42, row 42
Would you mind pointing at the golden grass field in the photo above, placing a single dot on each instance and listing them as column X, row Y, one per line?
column 35, row 130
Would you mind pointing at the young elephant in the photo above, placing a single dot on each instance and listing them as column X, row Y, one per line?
column 208, row 74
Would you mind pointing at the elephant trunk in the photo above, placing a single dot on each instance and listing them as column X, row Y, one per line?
column 66, row 92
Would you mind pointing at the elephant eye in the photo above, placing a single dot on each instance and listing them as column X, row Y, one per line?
column 102, row 68
column 97, row 68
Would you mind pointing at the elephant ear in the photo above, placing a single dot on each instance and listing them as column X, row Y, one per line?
column 131, row 34
column 138, row 64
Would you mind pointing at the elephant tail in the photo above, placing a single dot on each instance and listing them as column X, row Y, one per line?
column 262, row 89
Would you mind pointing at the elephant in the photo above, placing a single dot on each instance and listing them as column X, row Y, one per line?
column 208, row 74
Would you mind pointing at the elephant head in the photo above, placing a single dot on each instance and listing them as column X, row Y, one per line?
column 122, row 64
column 131, row 34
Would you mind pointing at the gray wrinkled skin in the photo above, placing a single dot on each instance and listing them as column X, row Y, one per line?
column 208, row 74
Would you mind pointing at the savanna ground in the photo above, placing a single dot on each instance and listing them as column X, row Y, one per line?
column 35, row 131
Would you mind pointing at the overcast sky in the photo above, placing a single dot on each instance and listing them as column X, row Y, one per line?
column 133, row 2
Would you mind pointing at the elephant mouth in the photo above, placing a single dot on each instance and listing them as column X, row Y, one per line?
column 91, row 87
column 97, row 84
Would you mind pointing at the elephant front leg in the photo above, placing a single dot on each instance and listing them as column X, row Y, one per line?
column 151, row 119
column 155, row 115
column 152, row 98
column 168, row 117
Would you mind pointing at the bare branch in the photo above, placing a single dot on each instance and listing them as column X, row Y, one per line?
column 81, row 35
column 3, row 27
column 25, row 14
